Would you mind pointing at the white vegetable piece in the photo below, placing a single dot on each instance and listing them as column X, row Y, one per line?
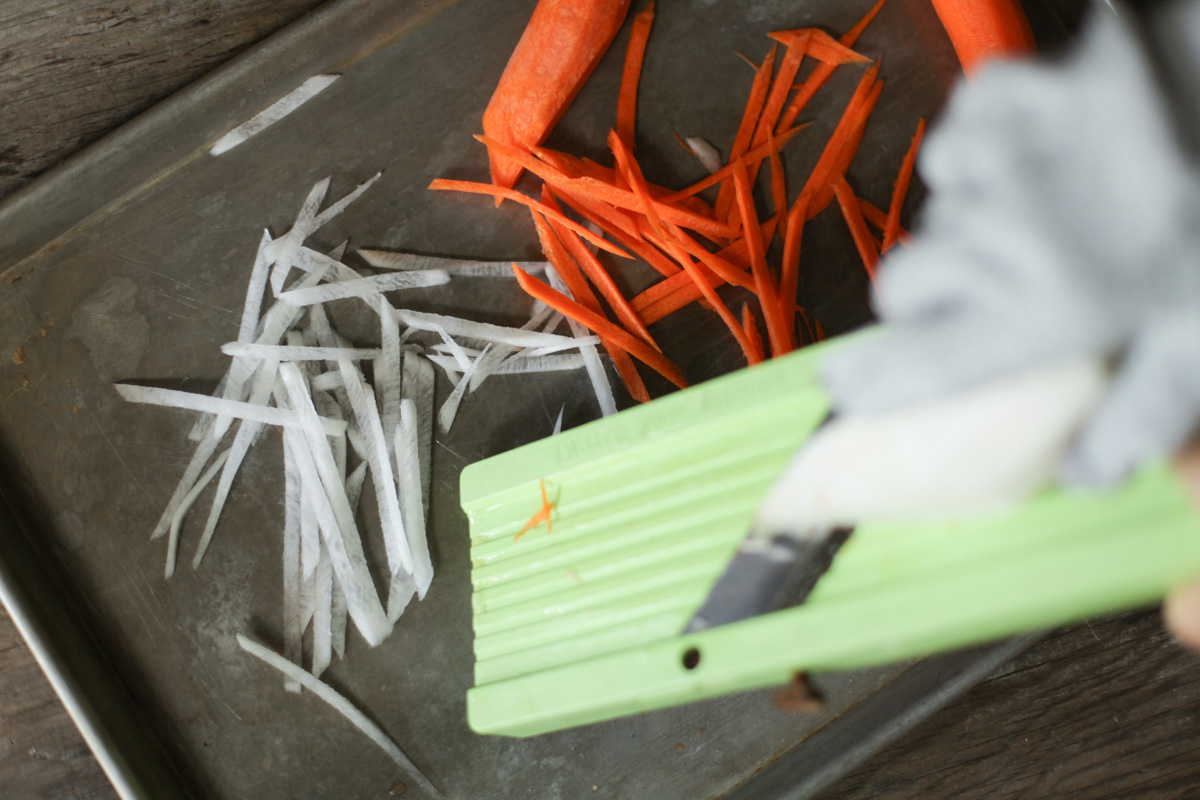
column 497, row 334
column 365, row 287
column 407, row 444
column 450, row 408
column 591, row 357
column 705, row 153
column 551, row 363
column 558, row 422
column 181, row 512
column 283, row 352
column 156, row 396
column 342, row 706
column 418, row 385
column 323, row 615
column 255, row 290
column 292, row 627
column 273, row 113
column 387, row 371
column 382, row 259
column 283, row 250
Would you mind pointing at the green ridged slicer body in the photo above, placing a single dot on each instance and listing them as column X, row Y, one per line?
column 582, row 623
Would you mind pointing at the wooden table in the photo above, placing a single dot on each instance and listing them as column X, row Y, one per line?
column 1106, row 709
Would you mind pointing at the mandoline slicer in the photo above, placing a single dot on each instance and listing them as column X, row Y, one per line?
column 583, row 623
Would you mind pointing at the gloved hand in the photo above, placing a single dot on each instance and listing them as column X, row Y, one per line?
column 1063, row 219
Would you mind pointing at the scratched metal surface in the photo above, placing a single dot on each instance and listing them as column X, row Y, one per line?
column 130, row 264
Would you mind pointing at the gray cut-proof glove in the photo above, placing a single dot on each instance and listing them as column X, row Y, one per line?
column 1063, row 219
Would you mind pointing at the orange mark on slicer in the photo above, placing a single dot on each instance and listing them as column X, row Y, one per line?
column 543, row 515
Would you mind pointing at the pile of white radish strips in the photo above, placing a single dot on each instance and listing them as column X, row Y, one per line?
column 292, row 370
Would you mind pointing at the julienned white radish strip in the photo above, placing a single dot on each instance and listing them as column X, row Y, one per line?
column 323, row 616
column 337, row 620
column 334, row 516
column 400, row 593
column 156, row 396
column 328, row 407
column 255, row 290
column 581, row 342
column 260, row 394
column 338, row 207
column 382, row 259
column 354, row 485
column 450, row 408
column 273, row 113
column 455, row 326
column 283, row 352
column 343, row 707
column 313, row 223
column 292, row 631
column 591, row 357
column 365, row 287
column 551, row 363
column 204, row 421
column 310, row 544
column 486, row 365
column 448, row 365
column 382, row 477
column 181, row 512
column 558, row 422
column 328, row 381
column 283, row 250
column 387, row 372
column 417, row 384
column 407, row 446
column 705, row 153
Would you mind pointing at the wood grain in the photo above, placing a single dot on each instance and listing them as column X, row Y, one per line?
column 1108, row 709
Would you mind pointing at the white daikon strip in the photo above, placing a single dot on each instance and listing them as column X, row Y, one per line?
column 204, row 421
column 273, row 113
column 407, row 443
column 343, row 707
column 328, row 381
column 337, row 620
column 459, row 354
column 387, row 372
column 255, row 290
column 580, row 343
column 448, row 365
column 497, row 334
column 400, row 593
column 328, row 407
column 417, row 385
column 292, row 630
column 450, row 408
column 558, row 422
column 156, row 396
column 354, row 485
column 551, row 363
column 486, row 364
column 591, row 357
column 705, row 153
column 323, row 616
column 339, row 252
column 283, row 250
column 338, row 207
column 181, row 512
column 260, row 394
column 394, row 539
column 334, row 515
column 365, row 287
column 310, row 541
column 382, row 259
column 283, row 352
column 468, row 352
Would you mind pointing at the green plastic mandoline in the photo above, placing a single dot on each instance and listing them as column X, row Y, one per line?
column 582, row 624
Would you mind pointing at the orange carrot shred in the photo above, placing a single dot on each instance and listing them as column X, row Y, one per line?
column 778, row 179
column 747, row 127
column 789, row 275
column 822, row 73
column 858, row 226
column 543, row 515
column 635, row 53
column 828, row 50
column 751, row 326
column 849, row 147
column 820, row 329
column 891, row 230
column 601, row 326
column 511, row 194
column 777, row 331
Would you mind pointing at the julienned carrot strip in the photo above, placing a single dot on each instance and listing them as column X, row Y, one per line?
column 789, row 273
column 666, row 297
column 568, row 270
column 593, row 187
column 821, row 74
column 891, row 230
column 828, row 50
column 849, row 149
column 858, row 226
column 601, row 326
column 599, row 276
column 635, row 53
column 819, row 178
column 610, row 176
column 727, row 272
column 764, row 284
column 981, row 30
column 820, row 329
column 747, row 127
column 629, row 169
column 753, row 156
column 753, row 355
column 598, row 214
column 442, row 184
column 778, row 179
column 752, row 334
column 560, row 47
column 873, row 213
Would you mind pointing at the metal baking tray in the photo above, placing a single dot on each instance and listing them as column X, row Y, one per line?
column 129, row 262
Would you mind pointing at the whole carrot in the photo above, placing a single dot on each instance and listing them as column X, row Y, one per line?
column 984, row 29
column 560, row 47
